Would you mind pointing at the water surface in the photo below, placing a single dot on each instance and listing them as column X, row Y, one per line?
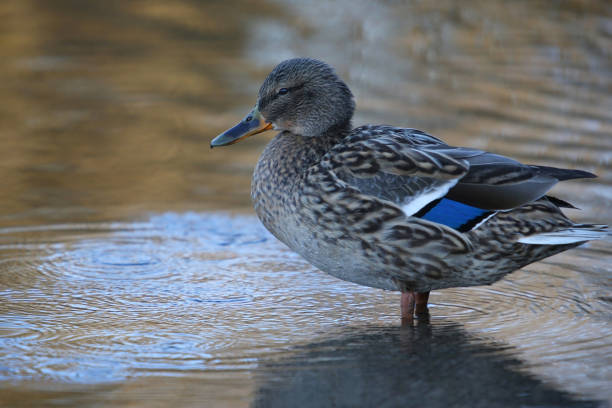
column 133, row 271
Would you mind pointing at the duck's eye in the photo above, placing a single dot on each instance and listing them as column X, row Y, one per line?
column 283, row 91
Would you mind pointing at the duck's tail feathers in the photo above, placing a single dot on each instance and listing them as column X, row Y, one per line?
column 576, row 233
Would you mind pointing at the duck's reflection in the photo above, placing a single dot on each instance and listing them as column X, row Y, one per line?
column 423, row 366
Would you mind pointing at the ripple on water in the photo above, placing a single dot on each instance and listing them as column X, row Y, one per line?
column 187, row 293
column 119, row 258
column 130, row 296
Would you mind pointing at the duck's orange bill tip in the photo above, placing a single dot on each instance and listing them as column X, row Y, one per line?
column 251, row 125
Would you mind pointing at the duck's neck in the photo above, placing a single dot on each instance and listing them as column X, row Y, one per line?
column 281, row 168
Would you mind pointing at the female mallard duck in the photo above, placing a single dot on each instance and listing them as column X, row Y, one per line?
column 389, row 207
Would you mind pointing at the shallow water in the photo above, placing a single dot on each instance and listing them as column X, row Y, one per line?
column 133, row 272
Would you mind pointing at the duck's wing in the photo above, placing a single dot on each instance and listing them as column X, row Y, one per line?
column 427, row 178
column 497, row 182
column 366, row 185
column 404, row 166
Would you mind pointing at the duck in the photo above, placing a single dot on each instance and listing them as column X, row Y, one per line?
column 394, row 208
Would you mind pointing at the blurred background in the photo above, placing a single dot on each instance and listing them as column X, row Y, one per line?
column 132, row 268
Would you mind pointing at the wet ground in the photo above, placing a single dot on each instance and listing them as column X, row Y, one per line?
column 134, row 273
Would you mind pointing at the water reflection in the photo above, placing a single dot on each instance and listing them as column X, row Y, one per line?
column 430, row 365
column 174, row 293
column 130, row 297
column 213, row 297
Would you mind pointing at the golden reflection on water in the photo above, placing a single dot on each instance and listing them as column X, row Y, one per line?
column 113, row 104
column 107, row 112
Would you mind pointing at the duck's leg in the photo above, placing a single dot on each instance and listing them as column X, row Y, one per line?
column 411, row 303
column 407, row 304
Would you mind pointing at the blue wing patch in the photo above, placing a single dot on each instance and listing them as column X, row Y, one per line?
column 454, row 214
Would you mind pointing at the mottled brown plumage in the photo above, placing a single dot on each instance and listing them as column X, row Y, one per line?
column 355, row 202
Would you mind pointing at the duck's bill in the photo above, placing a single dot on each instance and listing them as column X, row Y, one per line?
column 252, row 124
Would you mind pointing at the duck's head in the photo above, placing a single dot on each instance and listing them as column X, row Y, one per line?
column 303, row 96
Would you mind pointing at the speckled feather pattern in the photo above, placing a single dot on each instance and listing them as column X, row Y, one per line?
column 390, row 207
column 310, row 193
